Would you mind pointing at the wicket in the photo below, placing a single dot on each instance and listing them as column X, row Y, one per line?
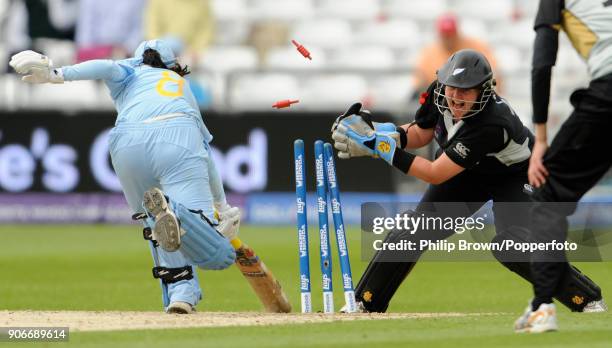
column 325, row 247
column 302, row 225
column 326, row 182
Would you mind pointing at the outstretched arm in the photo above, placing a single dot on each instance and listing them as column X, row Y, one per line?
column 95, row 70
column 38, row 68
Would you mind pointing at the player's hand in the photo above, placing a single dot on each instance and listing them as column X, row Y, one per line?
column 36, row 67
column 537, row 172
column 229, row 220
column 354, row 133
column 351, row 136
column 373, row 144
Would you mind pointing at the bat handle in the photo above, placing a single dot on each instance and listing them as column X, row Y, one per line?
column 236, row 243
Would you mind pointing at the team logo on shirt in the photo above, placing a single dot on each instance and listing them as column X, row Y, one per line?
column 461, row 150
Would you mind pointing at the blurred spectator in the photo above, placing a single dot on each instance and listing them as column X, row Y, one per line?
column 40, row 25
column 266, row 35
column 189, row 21
column 108, row 29
column 449, row 41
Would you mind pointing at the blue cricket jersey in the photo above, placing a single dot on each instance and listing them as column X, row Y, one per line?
column 140, row 92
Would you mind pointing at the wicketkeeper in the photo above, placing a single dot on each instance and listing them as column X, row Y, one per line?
column 483, row 155
column 160, row 151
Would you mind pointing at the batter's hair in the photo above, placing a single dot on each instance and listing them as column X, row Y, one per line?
column 152, row 58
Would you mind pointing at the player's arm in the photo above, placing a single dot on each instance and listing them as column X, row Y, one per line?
column 354, row 139
column 417, row 137
column 38, row 68
column 546, row 45
column 464, row 152
column 95, row 70
column 435, row 172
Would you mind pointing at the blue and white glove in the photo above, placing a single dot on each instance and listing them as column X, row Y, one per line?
column 36, row 67
column 373, row 144
column 384, row 127
column 355, row 134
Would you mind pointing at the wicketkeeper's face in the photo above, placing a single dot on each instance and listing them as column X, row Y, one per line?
column 460, row 100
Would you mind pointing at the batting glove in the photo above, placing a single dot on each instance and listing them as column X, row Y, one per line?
column 36, row 67
column 229, row 220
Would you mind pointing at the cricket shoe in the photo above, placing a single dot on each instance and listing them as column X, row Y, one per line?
column 595, row 307
column 359, row 305
column 180, row 307
column 522, row 323
column 167, row 231
column 543, row 319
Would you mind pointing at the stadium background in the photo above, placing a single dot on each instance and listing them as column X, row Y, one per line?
column 54, row 166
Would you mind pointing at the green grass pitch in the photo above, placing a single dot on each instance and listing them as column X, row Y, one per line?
column 108, row 268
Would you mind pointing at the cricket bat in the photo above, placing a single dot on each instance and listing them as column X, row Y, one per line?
column 263, row 282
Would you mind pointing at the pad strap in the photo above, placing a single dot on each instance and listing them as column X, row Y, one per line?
column 147, row 234
column 139, row 216
column 173, row 275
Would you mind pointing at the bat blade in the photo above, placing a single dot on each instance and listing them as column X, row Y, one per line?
column 262, row 281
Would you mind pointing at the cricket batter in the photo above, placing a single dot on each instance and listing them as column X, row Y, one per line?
column 160, row 151
column 578, row 156
column 483, row 155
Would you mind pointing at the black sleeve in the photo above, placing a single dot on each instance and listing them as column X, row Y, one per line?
column 544, row 57
column 468, row 149
column 549, row 13
column 427, row 115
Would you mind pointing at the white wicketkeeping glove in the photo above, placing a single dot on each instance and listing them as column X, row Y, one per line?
column 229, row 220
column 36, row 67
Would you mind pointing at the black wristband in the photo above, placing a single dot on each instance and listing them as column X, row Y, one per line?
column 403, row 137
column 402, row 160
